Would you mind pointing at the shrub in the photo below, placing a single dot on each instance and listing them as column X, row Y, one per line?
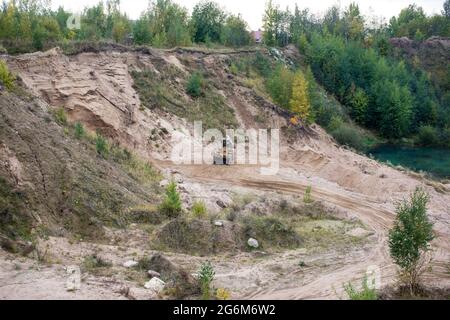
column 307, row 198
column 427, row 136
column 368, row 292
column 199, row 210
column 234, row 69
column 335, row 123
column 60, row 116
column 101, row 145
column 349, row 136
column 79, row 130
column 171, row 205
column 206, row 276
column 409, row 239
column 195, row 85
column 93, row 261
column 223, row 294
column 6, row 78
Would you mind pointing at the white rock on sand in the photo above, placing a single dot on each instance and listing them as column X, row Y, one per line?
column 253, row 243
column 153, row 274
column 156, row 285
column 130, row 264
column 218, row 223
column 73, row 283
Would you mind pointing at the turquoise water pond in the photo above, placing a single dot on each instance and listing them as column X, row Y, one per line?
column 432, row 160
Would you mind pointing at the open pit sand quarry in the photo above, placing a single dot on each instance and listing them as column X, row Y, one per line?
column 96, row 89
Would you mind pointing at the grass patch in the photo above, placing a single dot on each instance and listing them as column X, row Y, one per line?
column 199, row 210
column 271, row 232
column 324, row 234
column 162, row 92
column 60, row 116
column 14, row 222
column 367, row 291
column 188, row 236
column 146, row 214
column 95, row 265
column 79, row 130
column 137, row 168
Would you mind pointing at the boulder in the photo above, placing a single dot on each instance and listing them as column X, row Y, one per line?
column 221, row 204
column 73, row 282
column 20, row 247
column 176, row 278
column 140, row 294
column 156, row 285
column 153, row 274
column 253, row 243
column 218, row 223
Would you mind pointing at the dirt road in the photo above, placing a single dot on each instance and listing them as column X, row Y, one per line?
column 375, row 215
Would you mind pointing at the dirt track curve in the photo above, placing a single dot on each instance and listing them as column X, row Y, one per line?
column 374, row 215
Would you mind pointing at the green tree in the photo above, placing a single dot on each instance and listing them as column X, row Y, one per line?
column 207, row 20
column 141, row 31
column 279, row 85
column 195, row 85
column 301, row 25
column 408, row 22
column 359, row 103
column 332, row 20
column 165, row 24
column 269, row 23
column 277, row 25
column 93, row 23
column 409, row 239
column 393, row 103
column 427, row 136
column 8, row 26
column 235, row 32
column 353, row 23
column 120, row 28
column 446, row 11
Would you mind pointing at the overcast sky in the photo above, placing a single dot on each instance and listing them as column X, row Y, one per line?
column 252, row 10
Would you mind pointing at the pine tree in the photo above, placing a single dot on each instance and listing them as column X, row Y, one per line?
column 409, row 239
column 171, row 205
column 299, row 103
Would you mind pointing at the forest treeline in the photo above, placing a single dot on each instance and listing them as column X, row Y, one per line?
column 351, row 57
column 349, row 54
column 32, row 23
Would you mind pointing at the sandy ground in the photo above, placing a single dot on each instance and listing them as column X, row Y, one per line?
column 375, row 214
column 96, row 89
